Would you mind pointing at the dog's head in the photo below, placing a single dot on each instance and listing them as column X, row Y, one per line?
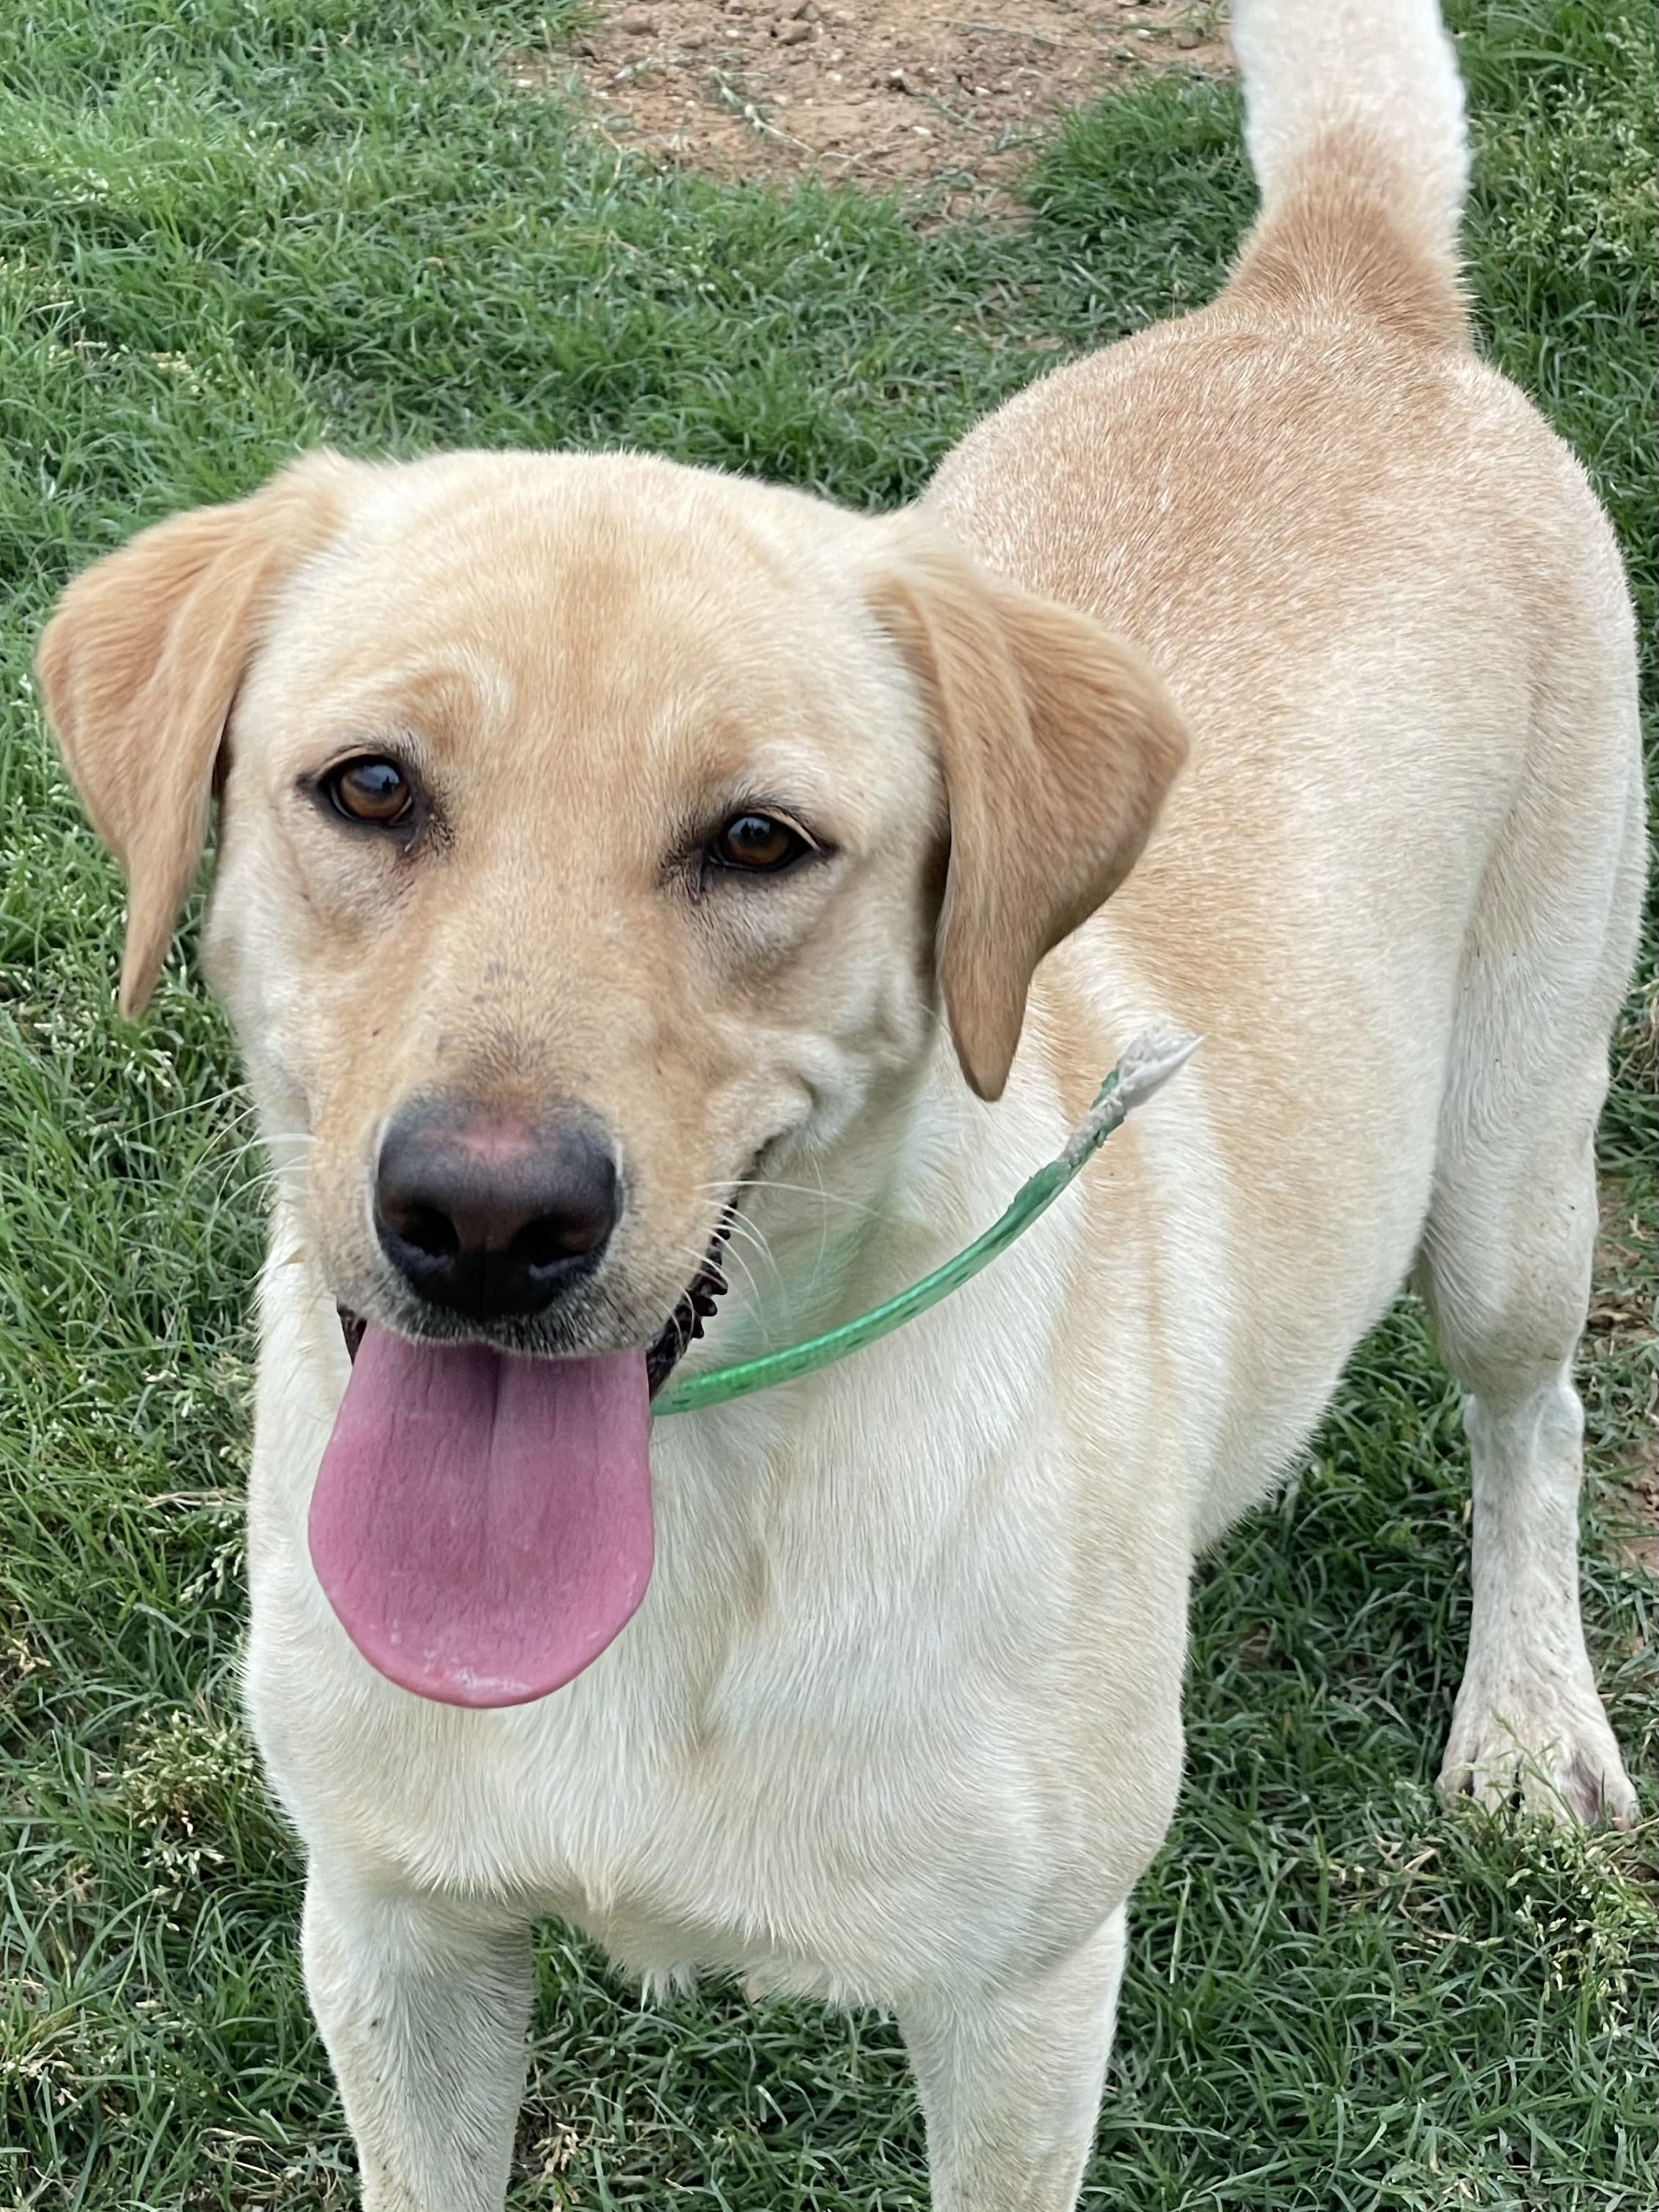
column 592, row 830
column 595, row 835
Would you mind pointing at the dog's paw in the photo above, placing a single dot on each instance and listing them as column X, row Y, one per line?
column 1547, row 1744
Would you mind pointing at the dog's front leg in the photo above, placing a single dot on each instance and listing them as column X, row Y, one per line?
column 1010, row 2079
column 423, row 2004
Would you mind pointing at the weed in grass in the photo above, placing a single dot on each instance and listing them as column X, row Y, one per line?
column 229, row 231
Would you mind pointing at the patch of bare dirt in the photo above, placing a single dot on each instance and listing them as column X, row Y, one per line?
column 946, row 97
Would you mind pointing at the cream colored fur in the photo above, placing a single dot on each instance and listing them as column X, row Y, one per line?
column 899, row 1720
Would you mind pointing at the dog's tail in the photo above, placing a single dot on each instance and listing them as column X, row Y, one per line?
column 1354, row 120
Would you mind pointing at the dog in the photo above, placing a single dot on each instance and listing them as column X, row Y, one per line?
column 644, row 898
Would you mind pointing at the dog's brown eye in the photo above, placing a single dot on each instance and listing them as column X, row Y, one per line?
column 759, row 842
column 375, row 791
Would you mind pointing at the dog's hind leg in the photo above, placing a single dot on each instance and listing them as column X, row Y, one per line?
column 1010, row 2079
column 1505, row 1267
column 423, row 2007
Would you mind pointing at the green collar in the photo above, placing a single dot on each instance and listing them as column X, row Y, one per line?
column 1147, row 1064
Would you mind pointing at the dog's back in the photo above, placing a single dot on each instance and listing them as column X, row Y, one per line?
column 1398, row 888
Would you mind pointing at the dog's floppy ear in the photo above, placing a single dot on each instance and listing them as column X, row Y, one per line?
column 139, row 668
column 1057, row 744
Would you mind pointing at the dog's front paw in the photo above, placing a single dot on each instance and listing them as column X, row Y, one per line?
column 1548, row 1742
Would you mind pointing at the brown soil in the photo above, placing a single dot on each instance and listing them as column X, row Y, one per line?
column 946, row 97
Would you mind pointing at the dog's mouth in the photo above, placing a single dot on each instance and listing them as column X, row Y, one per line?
column 697, row 1306
column 481, row 1522
column 679, row 1333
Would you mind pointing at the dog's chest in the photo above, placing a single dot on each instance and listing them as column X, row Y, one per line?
column 890, row 1709
column 826, row 1811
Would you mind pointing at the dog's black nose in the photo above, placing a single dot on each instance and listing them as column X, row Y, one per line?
column 488, row 1213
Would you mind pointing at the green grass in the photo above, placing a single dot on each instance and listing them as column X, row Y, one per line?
column 229, row 228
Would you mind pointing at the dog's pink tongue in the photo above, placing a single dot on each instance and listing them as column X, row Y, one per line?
column 481, row 1524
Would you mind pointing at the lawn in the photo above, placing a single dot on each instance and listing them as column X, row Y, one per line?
column 231, row 229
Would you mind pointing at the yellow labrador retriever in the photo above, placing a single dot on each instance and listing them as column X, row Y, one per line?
column 630, row 884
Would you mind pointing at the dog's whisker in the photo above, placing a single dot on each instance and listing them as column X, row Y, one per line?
column 216, row 1168
column 801, row 1189
column 749, row 1235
